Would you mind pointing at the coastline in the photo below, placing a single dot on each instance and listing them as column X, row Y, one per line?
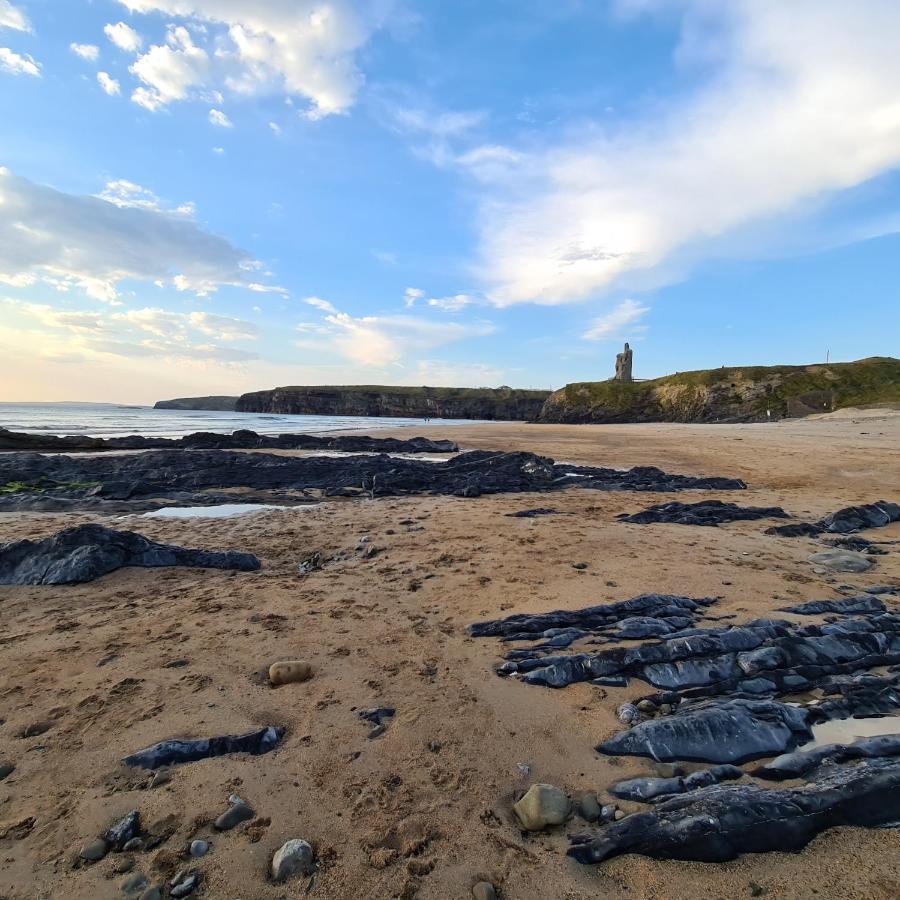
column 392, row 816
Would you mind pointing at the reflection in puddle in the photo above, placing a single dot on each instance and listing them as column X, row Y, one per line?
column 846, row 731
column 222, row 511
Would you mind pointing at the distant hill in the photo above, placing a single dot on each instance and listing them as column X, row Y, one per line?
column 742, row 394
column 215, row 404
column 404, row 402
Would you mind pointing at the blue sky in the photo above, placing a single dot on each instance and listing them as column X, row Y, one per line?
column 213, row 196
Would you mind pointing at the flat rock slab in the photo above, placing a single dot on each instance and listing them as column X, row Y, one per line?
column 842, row 561
column 707, row 512
column 86, row 552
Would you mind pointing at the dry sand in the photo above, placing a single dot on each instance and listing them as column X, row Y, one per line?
column 391, row 817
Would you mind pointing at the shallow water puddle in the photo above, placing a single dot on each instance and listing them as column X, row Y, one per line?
column 846, row 731
column 222, row 511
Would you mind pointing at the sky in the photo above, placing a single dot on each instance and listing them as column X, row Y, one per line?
column 216, row 196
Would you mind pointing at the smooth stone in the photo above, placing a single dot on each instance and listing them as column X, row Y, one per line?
column 94, row 851
column 542, row 805
column 6, row 769
column 646, row 706
column 484, row 890
column 842, row 561
column 184, row 884
column 152, row 893
column 239, row 812
column 294, row 857
column 289, row 671
column 627, row 714
column 198, row 849
column 607, row 813
column 134, row 844
column 618, row 815
column 134, row 883
column 163, row 776
column 589, row 808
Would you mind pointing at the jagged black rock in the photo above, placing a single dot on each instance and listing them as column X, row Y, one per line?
column 174, row 752
column 848, row 520
column 86, row 552
column 707, row 512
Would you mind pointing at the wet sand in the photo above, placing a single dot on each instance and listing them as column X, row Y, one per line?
column 400, row 816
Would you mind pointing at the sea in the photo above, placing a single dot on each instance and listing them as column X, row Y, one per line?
column 116, row 420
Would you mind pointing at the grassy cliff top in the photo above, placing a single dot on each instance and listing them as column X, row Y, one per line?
column 865, row 382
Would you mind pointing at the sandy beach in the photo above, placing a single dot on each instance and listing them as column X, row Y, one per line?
column 93, row 672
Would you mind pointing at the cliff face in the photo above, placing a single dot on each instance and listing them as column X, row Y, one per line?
column 216, row 404
column 403, row 402
column 730, row 395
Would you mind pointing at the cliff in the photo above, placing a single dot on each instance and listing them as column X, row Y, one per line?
column 404, row 402
column 215, row 404
column 743, row 394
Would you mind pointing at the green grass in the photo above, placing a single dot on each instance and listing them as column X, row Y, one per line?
column 21, row 487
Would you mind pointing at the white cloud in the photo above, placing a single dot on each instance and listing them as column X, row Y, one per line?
column 305, row 48
column 377, row 341
column 109, row 84
column 89, row 52
column 275, row 128
column 94, row 243
column 218, row 118
column 453, row 303
column 169, row 71
column 146, row 332
column 219, row 151
column 617, row 322
column 124, row 37
column 19, row 64
column 13, row 17
column 797, row 100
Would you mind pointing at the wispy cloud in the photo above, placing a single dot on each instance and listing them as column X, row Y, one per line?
column 13, row 17
column 88, row 52
column 618, row 322
column 19, row 63
column 795, row 100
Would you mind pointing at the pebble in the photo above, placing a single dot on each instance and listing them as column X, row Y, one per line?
column 239, row 812
column 163, row 776
column 152, row 893
column 580, row 566
column 607, row 813
column 294, row 857
column 542, row 805
column 134, row 844
column 627, row 714
column 290, row 671
column 184, row 883
column 198, row 849
column 589, row 808
column 618, row 814
column 647, row 706
column 124, row 830
column 6, row 769
column 134, row 883
column 484, row 890
column 94, row 851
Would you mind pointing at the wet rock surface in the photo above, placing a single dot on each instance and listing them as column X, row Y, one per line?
column 796, row 765
column 718, row 823
column 845, row 521
column 243, row 439
column 707, row 512
column 86, row 552
column 175, row 752
column 128, row 481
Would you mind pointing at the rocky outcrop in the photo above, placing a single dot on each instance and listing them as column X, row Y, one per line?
column 707, row 512
column 175, row 751
column 403, row 402
column 215, row 404
column 745, row 394
column 243, row 439
column 848, row 520
column 36, row 480
column 86, row 552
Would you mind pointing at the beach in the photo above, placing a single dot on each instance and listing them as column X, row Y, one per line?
column 93, row 672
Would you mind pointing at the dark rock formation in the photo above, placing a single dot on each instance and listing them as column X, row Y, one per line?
column 846, row 606
column 718, row 823
column 404, row 402
column 707, row 512
column 533, row 513
column 845, row 521
column 730, row 731
column 86, row 552
column 646, row 789
column 796, row 765
column 166, row 473
column 174, row 752
column 238, row 440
